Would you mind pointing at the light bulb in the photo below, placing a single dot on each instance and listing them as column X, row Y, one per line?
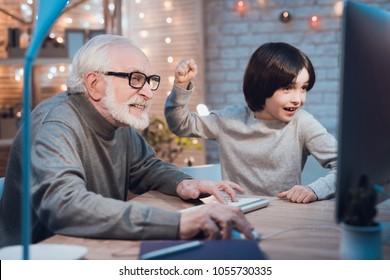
column 202, row 110
column 144, row 33
column 285, row 16
column 314, row 21
column 338, row 8
column 241, row 7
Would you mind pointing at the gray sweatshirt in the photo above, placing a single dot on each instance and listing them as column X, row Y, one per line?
column 265, row 157
column 82, row 169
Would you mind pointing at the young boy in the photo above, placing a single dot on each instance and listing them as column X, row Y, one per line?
column 263, row 145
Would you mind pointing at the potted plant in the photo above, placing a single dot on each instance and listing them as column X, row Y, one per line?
column 361, row 234
column 361, row 210
column 167, row 145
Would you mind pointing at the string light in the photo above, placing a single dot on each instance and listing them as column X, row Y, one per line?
column 141, row 15
column 53, row 70
column 285, row 16
column 68, row 20
column 314, row 21
column 168, row 5
column 100, row 20
column 60, row 40
column 170, row 59
column 26, row 11
column 338, row 8
column 241, row 7
column 202, row 110
column 144, row 33
column 111, row 7
column 262, row 2
column 169, row 20
column 168, row 40
column 19, row 73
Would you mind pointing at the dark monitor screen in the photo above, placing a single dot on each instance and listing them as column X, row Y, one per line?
column 364, row 116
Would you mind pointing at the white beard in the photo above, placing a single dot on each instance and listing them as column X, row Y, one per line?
column 120, row 111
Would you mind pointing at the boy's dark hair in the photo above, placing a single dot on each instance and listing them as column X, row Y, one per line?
column 271, row 67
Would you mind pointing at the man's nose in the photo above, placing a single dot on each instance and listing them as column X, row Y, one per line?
column 146, row 91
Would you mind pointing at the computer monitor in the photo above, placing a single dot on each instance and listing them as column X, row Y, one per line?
column 364, row 115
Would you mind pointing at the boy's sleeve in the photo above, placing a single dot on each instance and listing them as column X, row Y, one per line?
column 184, row 123
column 323, row 146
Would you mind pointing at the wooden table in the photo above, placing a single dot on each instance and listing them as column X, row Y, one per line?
column 291, row 231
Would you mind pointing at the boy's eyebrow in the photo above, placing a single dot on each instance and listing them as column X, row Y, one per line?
column 293, row 83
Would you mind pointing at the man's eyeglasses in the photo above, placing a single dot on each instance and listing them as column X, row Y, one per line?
column 137, row 79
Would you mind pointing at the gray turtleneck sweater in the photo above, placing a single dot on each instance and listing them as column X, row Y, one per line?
column 265, row 157
column 82, row 169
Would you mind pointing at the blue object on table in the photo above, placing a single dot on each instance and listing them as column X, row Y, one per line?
column 2, row 179
column 171, row 250
column 241, row 249
column 47, row 13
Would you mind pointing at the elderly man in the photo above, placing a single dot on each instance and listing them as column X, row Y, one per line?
column 86, row 156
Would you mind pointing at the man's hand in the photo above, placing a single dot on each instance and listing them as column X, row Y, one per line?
column 186, row 70
column 299, row 194
column 192, row 189
column 215, row 221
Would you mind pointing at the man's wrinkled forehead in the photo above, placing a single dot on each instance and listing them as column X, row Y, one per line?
column 130, row 58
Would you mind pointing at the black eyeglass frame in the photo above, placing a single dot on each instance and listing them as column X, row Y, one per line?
column 128, row 76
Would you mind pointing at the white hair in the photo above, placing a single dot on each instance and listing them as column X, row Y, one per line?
column 93, row 56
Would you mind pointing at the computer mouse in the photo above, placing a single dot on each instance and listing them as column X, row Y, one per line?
column 236, row 234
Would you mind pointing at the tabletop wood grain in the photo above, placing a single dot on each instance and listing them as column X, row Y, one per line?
column 289, row 230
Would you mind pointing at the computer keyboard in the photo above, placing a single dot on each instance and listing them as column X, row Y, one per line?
column 246, row 204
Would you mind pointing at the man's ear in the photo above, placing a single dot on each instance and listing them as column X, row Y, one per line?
column 95, row 86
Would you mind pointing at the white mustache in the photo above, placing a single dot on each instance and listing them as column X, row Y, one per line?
column 136, row 100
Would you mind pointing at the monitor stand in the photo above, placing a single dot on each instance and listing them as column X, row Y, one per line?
column 361, row 242
column 385, row 233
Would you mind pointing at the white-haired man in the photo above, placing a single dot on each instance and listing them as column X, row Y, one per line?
column 86, row 156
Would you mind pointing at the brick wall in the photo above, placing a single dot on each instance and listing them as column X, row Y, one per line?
column 230, row 39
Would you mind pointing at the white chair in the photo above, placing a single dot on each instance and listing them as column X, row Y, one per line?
column 204, row 172
column 1, row 185
column 312, row 171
